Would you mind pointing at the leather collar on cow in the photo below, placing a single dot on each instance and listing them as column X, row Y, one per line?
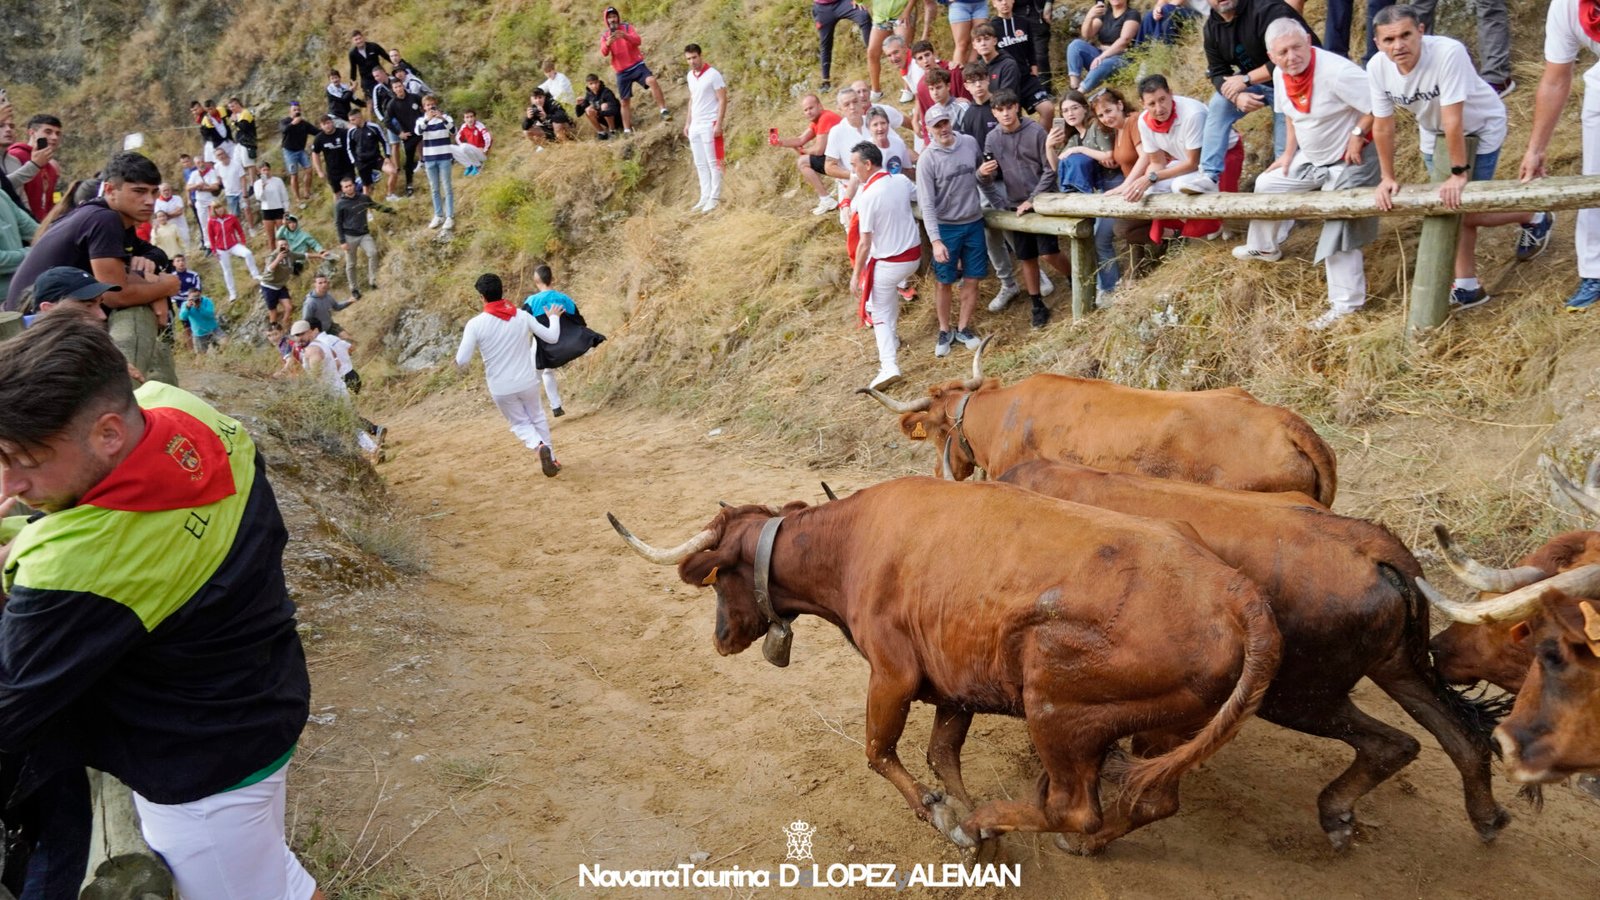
column 779, row 635
column 959, row 432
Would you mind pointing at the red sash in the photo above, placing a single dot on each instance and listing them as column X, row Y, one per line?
column 867, row 274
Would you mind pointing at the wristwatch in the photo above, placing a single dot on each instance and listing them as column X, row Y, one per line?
column 1357, row 132
column 1153, row 177
column 1460, row 170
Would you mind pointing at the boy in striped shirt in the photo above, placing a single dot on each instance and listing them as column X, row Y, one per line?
column 435, row 128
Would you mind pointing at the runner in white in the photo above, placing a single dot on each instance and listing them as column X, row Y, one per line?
column 1571, row 26
column 890, row 250
column 504, row 336
column 708, row 111
column 1326, row 102
column 1433, row 78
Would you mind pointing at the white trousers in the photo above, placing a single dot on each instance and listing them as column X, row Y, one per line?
column 203, row 212
column 1588, row 239
column 225, row 259
column 552, row 391
column 1346, row 270
column 228, row 846
column 703, row 144
column 525, row 414
column 884, row 310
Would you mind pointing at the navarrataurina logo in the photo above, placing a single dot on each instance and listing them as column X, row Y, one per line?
column 799, row 834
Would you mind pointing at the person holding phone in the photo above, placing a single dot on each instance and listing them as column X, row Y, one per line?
column 31, row 167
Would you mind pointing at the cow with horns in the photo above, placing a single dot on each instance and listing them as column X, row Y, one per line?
column 1224, row 437
column 1090, row 625
column 1534, row 630
column 1342, row 593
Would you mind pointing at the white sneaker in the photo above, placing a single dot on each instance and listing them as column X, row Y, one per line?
column 392, row 198
column 886, row 379
column 1103, row 298
column 825, row 205
column 435, row 222
column 1327, row 319
column 449, row 223
column 876, row 96
column 698, row 205
column 1004, row 298
column 709, row 205
column 539, row 149
column 906, row 96
column 1244, row 252
column 1046, row 287
column 1197, row 183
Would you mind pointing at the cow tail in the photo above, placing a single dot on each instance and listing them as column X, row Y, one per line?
column 1262, row 647
column 1476, row 714
column 1320, row 455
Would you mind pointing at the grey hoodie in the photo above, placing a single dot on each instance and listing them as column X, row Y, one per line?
column 947, row 184
column 1023, row 168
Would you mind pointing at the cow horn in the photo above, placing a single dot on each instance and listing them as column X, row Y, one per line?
column 1591, row 481
column 1478, row 576
column 1583, row 581
column 1586, row 498
column 665, row 557
column 894, row 405
column 976, row 381
column 828, row 492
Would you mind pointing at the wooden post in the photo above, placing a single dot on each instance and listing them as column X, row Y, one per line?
column 1436, row 252
column 121, row 864
column 1084, row 263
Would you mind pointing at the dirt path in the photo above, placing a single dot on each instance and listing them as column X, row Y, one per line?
column 557, row 701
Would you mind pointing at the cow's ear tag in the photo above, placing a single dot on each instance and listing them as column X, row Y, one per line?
column 711, row 577
column 917, row 431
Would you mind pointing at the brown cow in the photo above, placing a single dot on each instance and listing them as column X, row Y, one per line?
column 1342, row 592
column 1554, row 728
column 1224, row 437
column 1469, row 652
column 1090, row 625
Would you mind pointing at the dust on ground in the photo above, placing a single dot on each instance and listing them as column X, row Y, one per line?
column 544, row 698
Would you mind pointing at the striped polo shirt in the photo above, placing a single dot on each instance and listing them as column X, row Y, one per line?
column 435, row 134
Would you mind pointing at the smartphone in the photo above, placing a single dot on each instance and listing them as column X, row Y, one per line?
column 988, row 157
column 772, row 136
column 41, row 143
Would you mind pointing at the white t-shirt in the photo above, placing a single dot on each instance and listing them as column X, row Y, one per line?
column 272, row 193
column 1186, row 134
column 1444, row 75
column 232, row 174
column 506, row 345
column 1340, row 96
column 558, row 86
column 913, row 76
column 896, row 150
column 1564, row 39
column 335, row 362
column 883, row 210
column 703, row 96
column 172, row 206
column 201, row 198
column 896, row 117
column 842, row 137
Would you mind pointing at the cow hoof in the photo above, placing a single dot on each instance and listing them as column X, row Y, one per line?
column 1341, row 831
column 1588, row 785
column 961, row 838
column 947, row 817
column 1079, row 845
column 1488, row 831
column 931, row 797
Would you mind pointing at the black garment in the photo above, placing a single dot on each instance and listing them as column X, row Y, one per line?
column 1111, row 26
column 1240, row 46
column 1030, row 13
column 335, row 155
column 339, row 103
column 403, row 114
column 244, row 132
column 828, row 16
column 350, row 216
column 53, row 820
column 295, row 134
column 552, row 115
column 605, row 103
column 361, row 66
column 366, row 145
column 214, row 134
column 1004, row 75
column 92, row 231
column 576, row 339
column 1016, row 40
column 977, row 122
column 382, row 96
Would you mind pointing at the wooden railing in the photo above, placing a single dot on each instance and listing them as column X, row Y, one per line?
column 1072, row 216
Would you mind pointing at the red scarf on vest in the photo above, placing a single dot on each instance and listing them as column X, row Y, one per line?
column 500, row 309
column 180, row 462
column 1299, row 86
column 1589, row 18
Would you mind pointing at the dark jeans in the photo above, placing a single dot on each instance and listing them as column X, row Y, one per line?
column 828, row 16
column 1336, row 31
column 1166, row 31
column 412, row 145
column 57, row 820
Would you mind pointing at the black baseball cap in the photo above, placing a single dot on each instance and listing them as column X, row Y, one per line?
column 68, row 283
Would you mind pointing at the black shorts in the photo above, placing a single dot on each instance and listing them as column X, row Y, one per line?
column 272, row 215
column 335, row 177
column 1033, row 93
column 272, row 296
column 1032, row 246
column 819, row 164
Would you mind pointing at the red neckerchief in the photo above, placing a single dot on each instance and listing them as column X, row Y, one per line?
column 1299, row 86
column 1163, row 127
column 178, row 464
column 1589, row 18
column 915, row 252
column 500, row 309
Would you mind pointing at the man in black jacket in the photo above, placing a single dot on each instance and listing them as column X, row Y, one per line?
column 365, row 56
column 601, row 106
column 367, row 147
column 1237, row 64
column 350, row 224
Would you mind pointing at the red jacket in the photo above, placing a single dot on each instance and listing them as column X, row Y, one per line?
column 224, row 232
column 474, row 134
column 41, row 191
column 623, row 47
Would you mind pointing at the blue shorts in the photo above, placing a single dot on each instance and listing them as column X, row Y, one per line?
column 968, row 10
column 1483, row 164
column 392, row 137
column 634, row 74
column 295, row 160
column 969, row 255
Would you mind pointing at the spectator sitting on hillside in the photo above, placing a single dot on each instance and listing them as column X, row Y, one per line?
column 320, row 305
column 1019, row 37
column 620, row 42
column 1086, row 162
column 1120, row 122
column 811, row 149
column 199, row 315
column 1570, row 27
column 473, row 141
column 1166, row 20
column 601, row 107
column 557, row 85
column 1432, row 77
column 1171, row 136
column 545, row 120
column 504, row 336
column 1006, row 75
column 1015, row 171
column 302, row 245
column 1109, row 31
